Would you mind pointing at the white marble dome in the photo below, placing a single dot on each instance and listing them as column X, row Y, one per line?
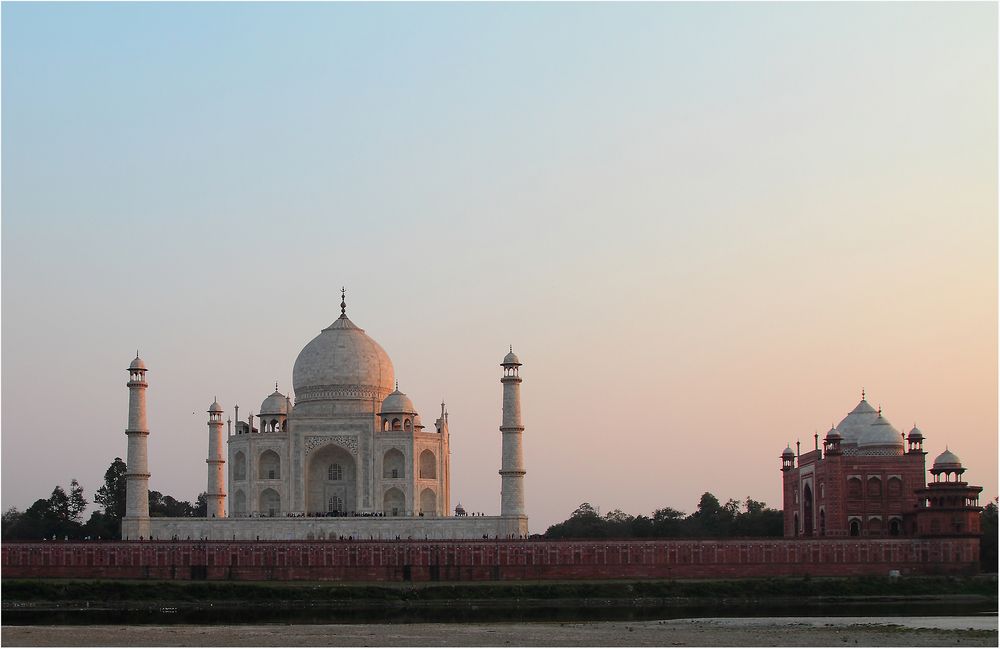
column 882, row 434
column 947, row 461
column 342, row 358
column 856, row 423
column 398, row 403
column 275, row 404
column 137, row 364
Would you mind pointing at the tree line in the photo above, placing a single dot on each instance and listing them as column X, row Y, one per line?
column 711, row 520
column 60, row 516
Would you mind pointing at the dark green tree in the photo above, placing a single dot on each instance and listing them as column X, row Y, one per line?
column 618, row 524
column 77, row 503
column 201, row 505
column 668, row 522
column 9, row 522
column 112, row 495
column 58, row 507
column 583, row 523
column 988, row 546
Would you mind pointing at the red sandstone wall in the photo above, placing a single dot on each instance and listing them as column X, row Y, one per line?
column 486, row 560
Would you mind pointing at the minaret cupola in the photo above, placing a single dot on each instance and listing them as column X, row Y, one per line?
column 948, row 465
column 788, row 459
column 137, row 370
column 831, row 443
column 915, row 441
column 510, row 363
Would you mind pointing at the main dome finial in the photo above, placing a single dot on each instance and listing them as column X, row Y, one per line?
column 343, row 302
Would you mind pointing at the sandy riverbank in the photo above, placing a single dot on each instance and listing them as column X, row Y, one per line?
column 706, row 632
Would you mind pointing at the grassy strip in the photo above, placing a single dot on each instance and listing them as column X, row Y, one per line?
column 42, row 590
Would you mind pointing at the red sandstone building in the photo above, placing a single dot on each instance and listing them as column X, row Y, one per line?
column 869, row 480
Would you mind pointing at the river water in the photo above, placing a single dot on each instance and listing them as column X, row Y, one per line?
column 482, row 611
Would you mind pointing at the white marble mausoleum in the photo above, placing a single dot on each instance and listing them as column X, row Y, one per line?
column 348, row 457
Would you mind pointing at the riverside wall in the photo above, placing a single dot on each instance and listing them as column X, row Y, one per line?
column 480, row 560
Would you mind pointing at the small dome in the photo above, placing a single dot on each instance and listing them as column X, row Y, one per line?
column 459, row 510
column 137, row 364
column 275, row 404
column 857, row 422
column 215, row 407
column 788, row 452
column 834, row 434
column 881, row 433
column 915, row 435
column 397, row 403
column 947, row 461
column 511, row 358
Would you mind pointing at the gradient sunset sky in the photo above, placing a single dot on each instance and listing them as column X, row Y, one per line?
column 703, row 227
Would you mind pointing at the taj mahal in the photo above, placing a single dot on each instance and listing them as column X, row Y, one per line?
column 349, row 457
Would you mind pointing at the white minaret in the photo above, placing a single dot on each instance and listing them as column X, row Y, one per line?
column 216, row 464
column 136, row 522
column 512, row 466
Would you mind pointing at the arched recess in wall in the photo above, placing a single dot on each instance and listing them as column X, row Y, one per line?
column 393, row 464
column 807, row 509
column 895, row 526
column 875, row 525
column 239, row 502
column 239, row 466
column 270, row 466
column 428, row 465
column 428, row 501
column 394, row 503
column 270, row 502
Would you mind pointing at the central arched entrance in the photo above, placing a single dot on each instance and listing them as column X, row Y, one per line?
column 331, row 482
